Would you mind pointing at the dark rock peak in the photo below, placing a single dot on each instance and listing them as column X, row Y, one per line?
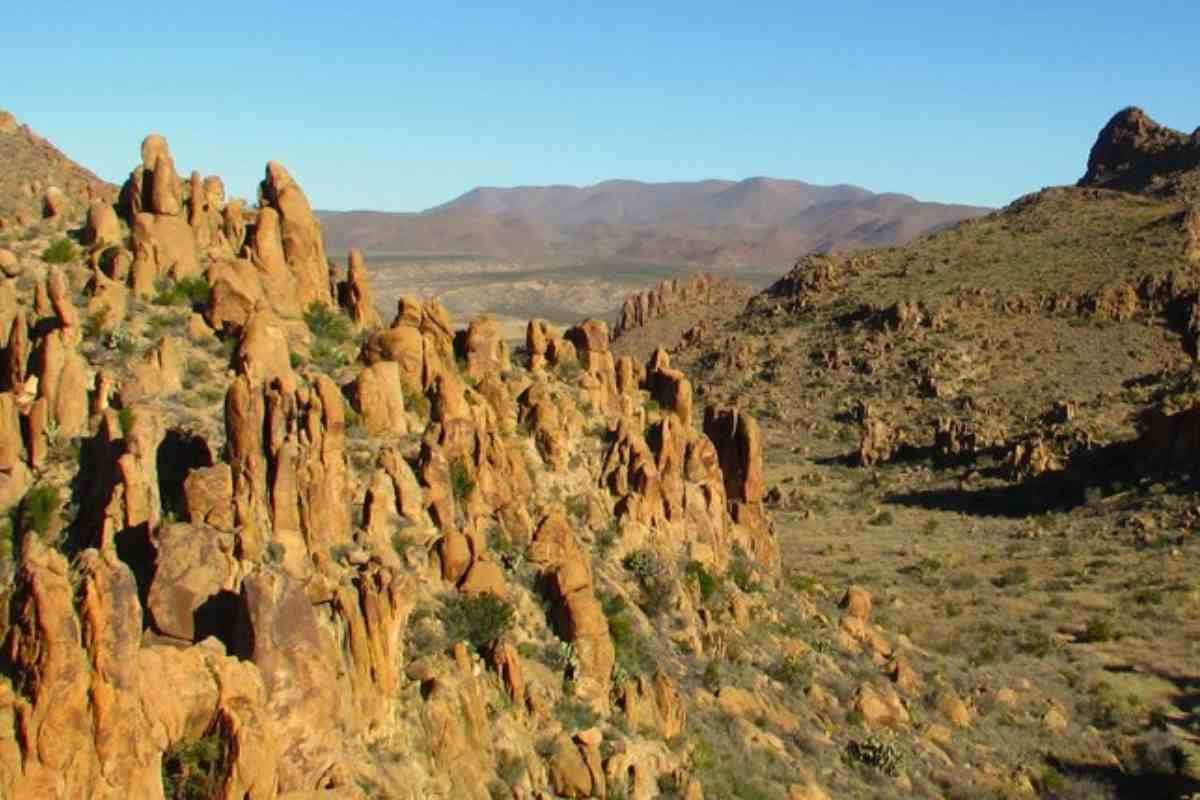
column 1134, row 153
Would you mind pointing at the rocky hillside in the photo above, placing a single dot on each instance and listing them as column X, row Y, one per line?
column 38, row 181
column 717, row 224
column 994, row 429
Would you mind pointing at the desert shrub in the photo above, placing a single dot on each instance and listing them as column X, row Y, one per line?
column 634, row 654
column 1098, row 629
column 1013, row 576
column 93, row 326
column 192, row 769
column 61, row 251
column 158, row 324
column 416, row 401
column 644, row 564
column 653, row 576
column 275, row 552
column 461, row 483
column 618, row 790
column 125, row 419
column 1035, row 642
column 607, row 538
column 511, row 768
column 1158, row 752
column 508, row 552
column 191, row 292
column 480, row 620
column 741, row 572
column 198, row 369
column 708, row 584
column 573, row 714
column 879, row 753
column 802, row 584
column 117, row 338
column 1148, row 597
column 577, row 506
column 324, row 323
column 37, row 509
column 712, row 676
column 327, row 357
column 402, row 543
column 881, row 519
column 793, row 670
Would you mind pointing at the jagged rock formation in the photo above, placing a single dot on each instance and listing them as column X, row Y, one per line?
column 641, row 308
column 354, row 294
column 278, row 569
column 1133, row 153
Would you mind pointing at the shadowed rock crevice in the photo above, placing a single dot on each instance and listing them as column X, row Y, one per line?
column 223, row 616
column 179, row 453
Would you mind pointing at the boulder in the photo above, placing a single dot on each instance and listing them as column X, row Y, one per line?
column 10, row 265
column 208, row 496
column 377, row 395
column 102, row 226
column 191, row 594
column 54, row 203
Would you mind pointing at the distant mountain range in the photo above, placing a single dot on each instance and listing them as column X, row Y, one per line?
column 712, row 223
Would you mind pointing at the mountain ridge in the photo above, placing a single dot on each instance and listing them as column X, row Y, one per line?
column 710, row 222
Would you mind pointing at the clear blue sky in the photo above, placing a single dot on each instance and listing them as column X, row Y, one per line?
column 389, row 106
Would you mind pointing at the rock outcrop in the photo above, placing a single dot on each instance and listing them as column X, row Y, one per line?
column 355, row 296
column 641, row 308
column 1133, row 153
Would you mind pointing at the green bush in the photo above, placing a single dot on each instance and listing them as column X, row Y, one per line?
column 633, row 652
column 60, row 252
column 741, row 572
column 331, row 330
column 607, row 538
column 1013, row 576
column 712, row 676
column 461, row 483
column 192, row 292
column 793, row 670
column 577, row 506
column 192, row 769
column 94, row 325
column 125, row 418
column 38, row 508
column 327, row 357
column 327, row 324
column 1098, row 629
column 416, row 401
column 507, row 552
column 644, row 564
column 708, row 584
column 574, row 715
column 480, row 620
column 402, row 543
column 275, row 553
column 881, row 519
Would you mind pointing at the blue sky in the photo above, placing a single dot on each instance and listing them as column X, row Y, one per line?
column 397, row 107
